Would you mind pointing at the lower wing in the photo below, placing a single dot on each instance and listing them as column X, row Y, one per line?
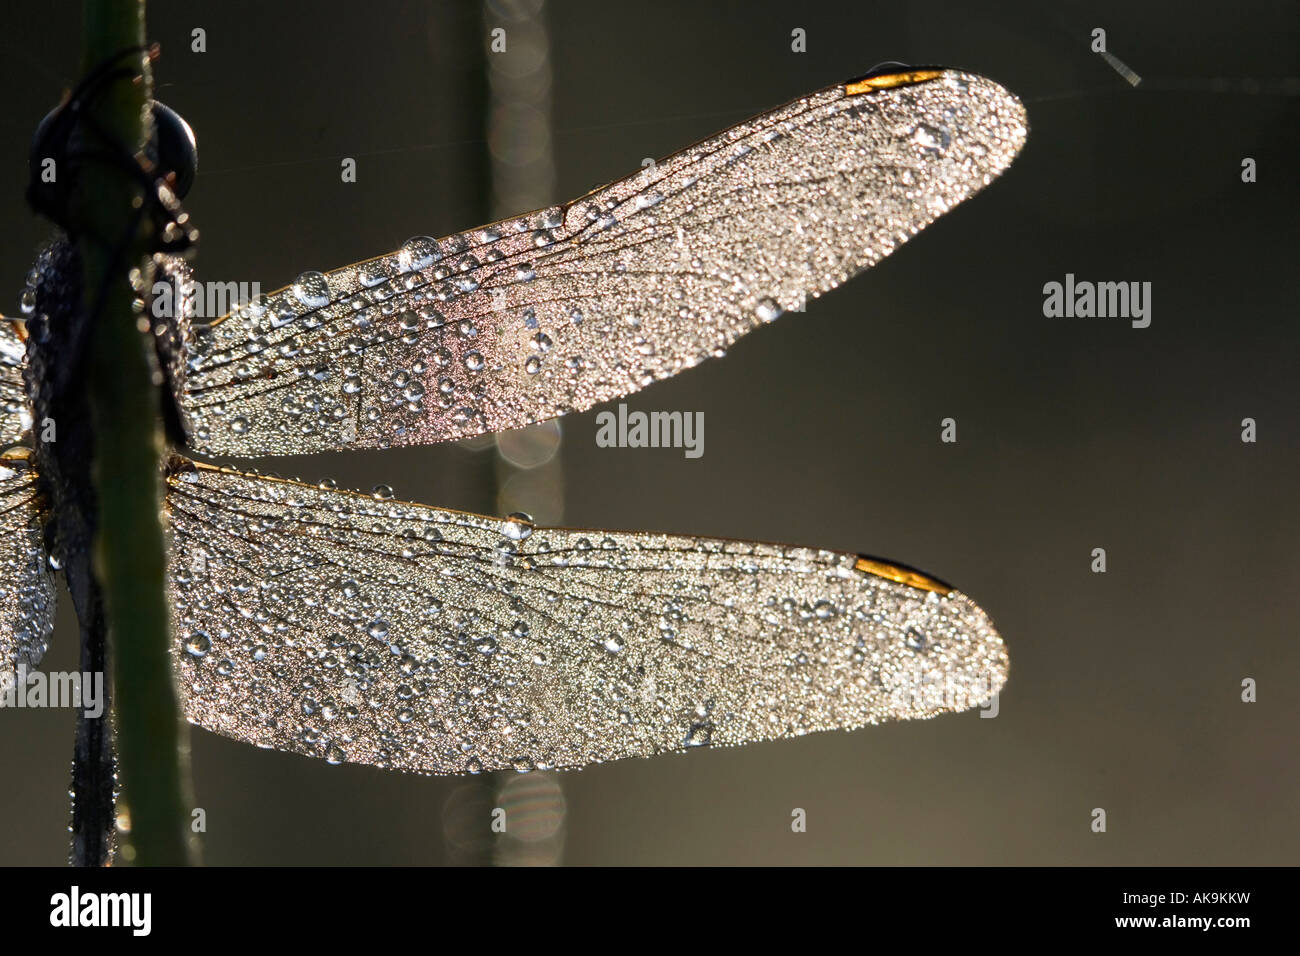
column 27, row 598
column 342, row 626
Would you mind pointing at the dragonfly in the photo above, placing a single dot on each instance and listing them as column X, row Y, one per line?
column 358, row 628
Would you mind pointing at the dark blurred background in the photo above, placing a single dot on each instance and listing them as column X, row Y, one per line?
column 824, row 429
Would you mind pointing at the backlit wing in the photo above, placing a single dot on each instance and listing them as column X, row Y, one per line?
column 15, row 412
column 27, row 597
column 357, row 629
column 568, row 307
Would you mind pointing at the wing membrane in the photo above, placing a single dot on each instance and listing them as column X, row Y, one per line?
column 356, row 629
column 28, row 595
column 27, row 598
column 15, row 412
column 560, row 310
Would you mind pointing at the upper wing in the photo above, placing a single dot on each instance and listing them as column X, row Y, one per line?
column 27, row 598
column 15, row 410
column 358, row 629
column 579, row 304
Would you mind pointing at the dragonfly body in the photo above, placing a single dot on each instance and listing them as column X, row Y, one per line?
column 55, row 339
column 358, row 628
column 59, row 469
column 57, row 343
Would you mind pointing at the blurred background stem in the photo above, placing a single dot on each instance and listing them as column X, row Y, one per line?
column 529, row 476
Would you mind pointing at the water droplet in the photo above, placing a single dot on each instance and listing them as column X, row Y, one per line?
column 474, row 360
column 931, row 138
column 198, row 644
column 418, row 252
column 517, row 526
column 768, row 310
column 370, row 275
column 12, row 350
column 312, row 290
column 699, row 735
column 652, row 198
column 916, row 639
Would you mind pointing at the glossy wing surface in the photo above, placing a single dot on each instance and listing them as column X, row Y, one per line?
column 28, row 596
column 579, row 304
column 346, row 627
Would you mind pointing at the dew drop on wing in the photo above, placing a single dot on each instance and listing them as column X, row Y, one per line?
column 931, row 139
column 767, row 310
column 418, row 252
column 312, row 290
column 916, row 639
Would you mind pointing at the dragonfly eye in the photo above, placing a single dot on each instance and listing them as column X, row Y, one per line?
column 47, row 190
column 173, row 150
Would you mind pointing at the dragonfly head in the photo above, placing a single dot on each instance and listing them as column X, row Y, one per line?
column 170, row 158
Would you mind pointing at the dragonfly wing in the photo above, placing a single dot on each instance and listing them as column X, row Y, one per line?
column 27, row 600
column 15, row 410
column 557, row 311
column 341, row 626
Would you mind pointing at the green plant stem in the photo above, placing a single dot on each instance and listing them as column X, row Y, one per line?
column 129, row 556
